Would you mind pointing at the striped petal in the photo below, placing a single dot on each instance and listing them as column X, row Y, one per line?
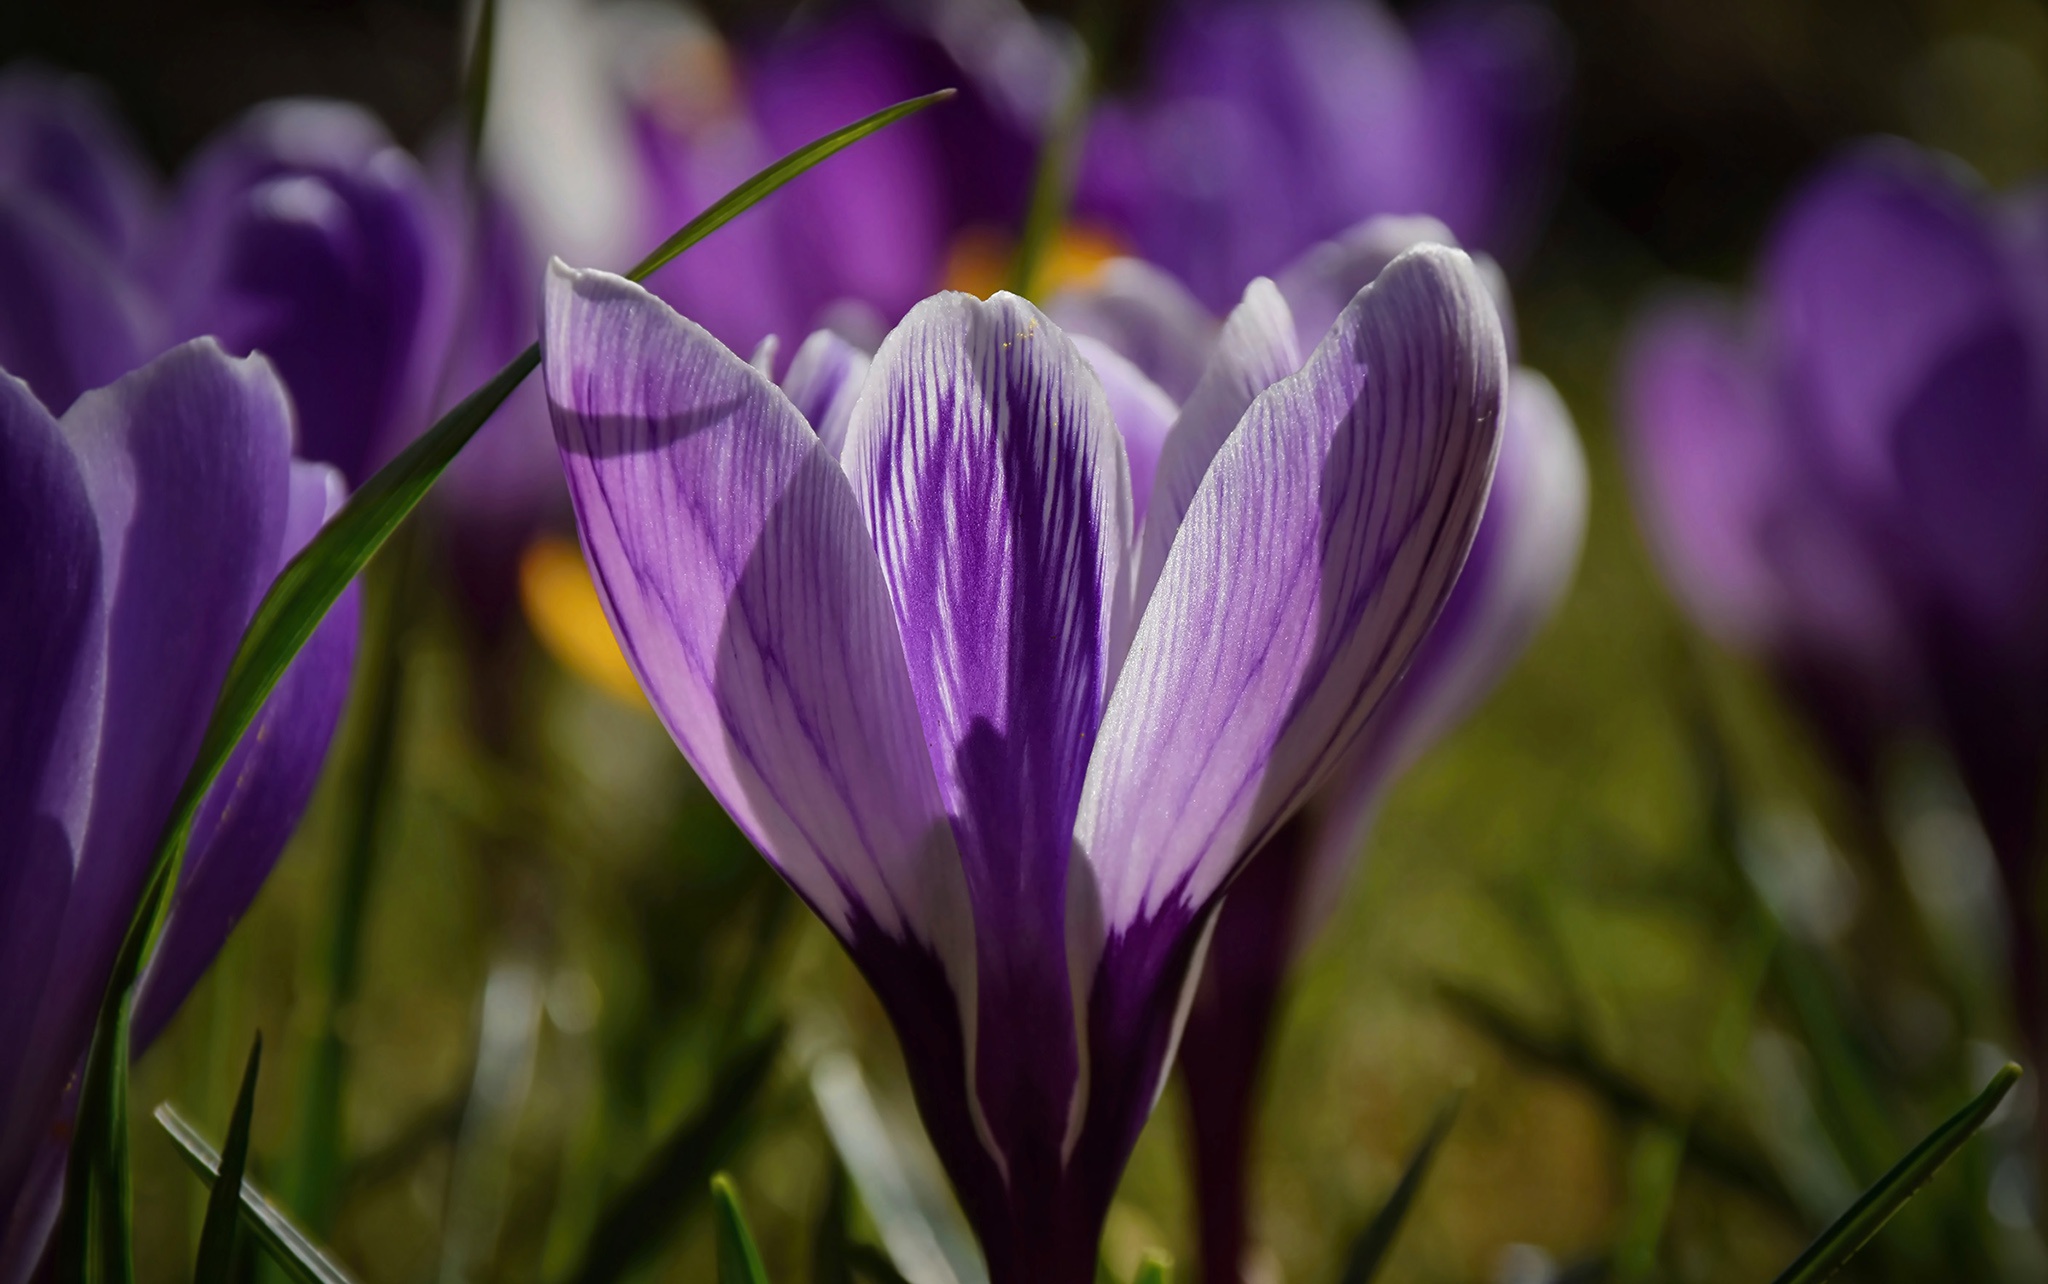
column 1317, row 553
column 997, row 494
column 1256, row 350
column 823, row 382
column 731, row 559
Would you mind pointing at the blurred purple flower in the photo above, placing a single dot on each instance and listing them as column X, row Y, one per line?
column 867, row 235
column 137, row 533
column 936, row 677
column 1520, row 563
column 1850, row 480
column 1263, row 128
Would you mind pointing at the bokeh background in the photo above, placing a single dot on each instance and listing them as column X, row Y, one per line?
column 562, row 941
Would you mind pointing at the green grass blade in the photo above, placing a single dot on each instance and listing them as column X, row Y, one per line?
column 739, row 1261
column 1052, row 188
column 1369, row 1250
column 1855, row 1228
column 476, row 88
column 751, row 191
column 216, row 1261
column 1155, row 1268
column 303, row 1260
column 642, row 1216
column 97, row 1207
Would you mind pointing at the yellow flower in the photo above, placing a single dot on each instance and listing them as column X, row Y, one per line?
column 563, row 611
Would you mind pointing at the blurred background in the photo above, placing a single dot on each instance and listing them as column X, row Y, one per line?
column 518, row 976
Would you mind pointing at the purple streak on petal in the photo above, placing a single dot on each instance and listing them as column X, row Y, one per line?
column 1495, row 75
column 998, row 497
column 242, row 826
column 186, row 461
column 1318, row 551
column 305, row 233
column 824, row 380
column 1141, row 411
column 1148, row 317
column 70, row 318
column 1255, row 350
column 50, row 622
column 734, row 567
column 62, row 142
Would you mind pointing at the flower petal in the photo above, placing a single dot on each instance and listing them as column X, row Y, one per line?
column 307, row 234
column 733, row 565
column 62, row 141
column 50, row 622
column 187, row 463
column 1256, row 350
column 1141, row 410
column 823, row 382
column 997, row 494
column 1148, row 317
column 1316, row 554
column 1521, row 563
column 70, row 319
column 243, row 825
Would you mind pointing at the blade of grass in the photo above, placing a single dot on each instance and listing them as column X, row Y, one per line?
column 1369, row 1250
column 1052, row 187
column 642, row 1216
column 739, row 1261
column 303, row 1260
column 95, row 1240
column 476, row 89
column 1855, row 1228
column 216, row 1262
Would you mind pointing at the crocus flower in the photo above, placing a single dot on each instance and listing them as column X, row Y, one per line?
column 1849, row 479
column 1520, row 563
column 1260, row 129
column 137, row 533
column 922, row 664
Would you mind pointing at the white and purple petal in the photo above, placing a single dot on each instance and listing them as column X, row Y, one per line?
column 1147, row 316
column 824, row 382
column 733, row 565
column 997, row 494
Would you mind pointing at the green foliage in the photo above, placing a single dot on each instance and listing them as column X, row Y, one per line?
column 303, row 1261
column 1369, row 1250
column 642, row 1216
column 217, row 1237
column 1853, row 1229
column 739, row 1261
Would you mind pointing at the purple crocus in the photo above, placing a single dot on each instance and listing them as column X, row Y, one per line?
column 1520, row 563
column 1262, row 128
column 866, row 236
column 137, row 533
column 936, row 678
column 1849, row 479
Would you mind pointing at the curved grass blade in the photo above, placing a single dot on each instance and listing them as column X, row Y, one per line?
column 476, row 89
column 739, row 1262
column 95, row 1243
column 642, row 1216
column 1855, row 1228
column 1369, row 1250
column 216, row 1263
column 303, row 1260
